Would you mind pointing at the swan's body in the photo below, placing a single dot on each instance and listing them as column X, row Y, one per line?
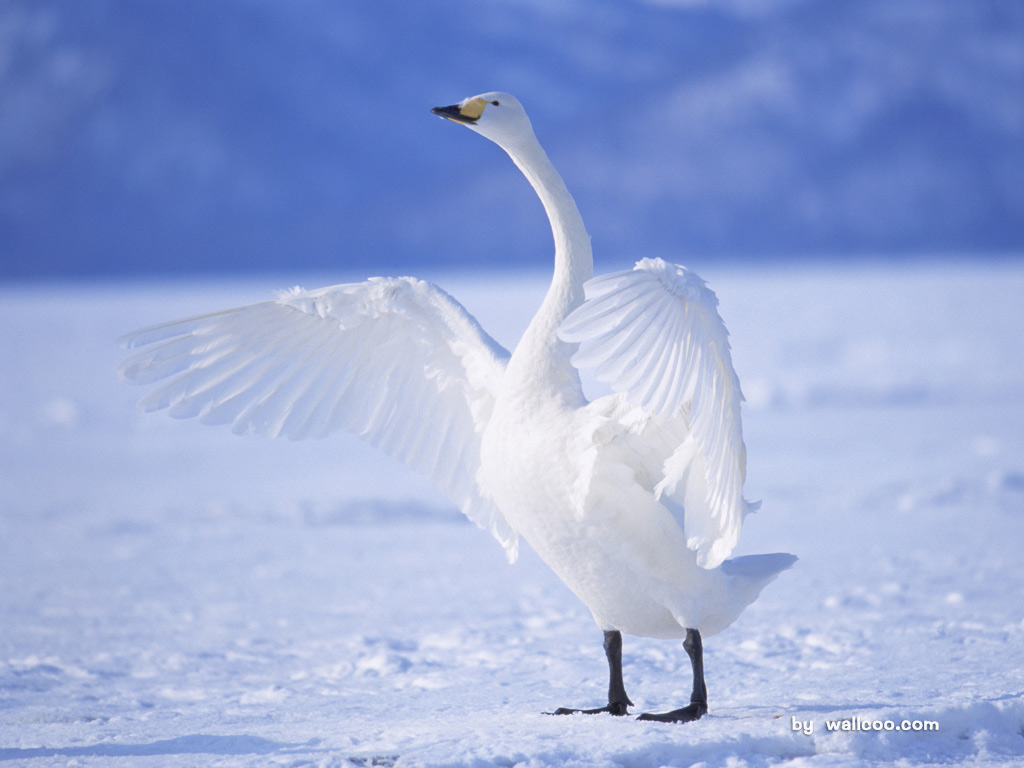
column 634, row 500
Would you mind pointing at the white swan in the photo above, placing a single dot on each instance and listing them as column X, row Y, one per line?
column 634, row 500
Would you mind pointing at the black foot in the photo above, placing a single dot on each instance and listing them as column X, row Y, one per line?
column 618, row 701
column 685, row 715
column 698, row 706
column 617, row 708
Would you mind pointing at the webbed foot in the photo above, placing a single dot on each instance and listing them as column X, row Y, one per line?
column 617, row 708
column 687, row 714
column 698, row 706
column 618, row 701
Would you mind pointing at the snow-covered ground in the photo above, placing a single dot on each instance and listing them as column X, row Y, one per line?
column 173, row 595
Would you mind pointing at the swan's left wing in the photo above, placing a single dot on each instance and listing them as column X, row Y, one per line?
column 395, row 361
column 654, row 334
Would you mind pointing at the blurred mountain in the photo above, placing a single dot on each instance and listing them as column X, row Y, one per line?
column 173, row 136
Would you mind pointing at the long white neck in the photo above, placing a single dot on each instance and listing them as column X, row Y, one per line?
column 540, row 358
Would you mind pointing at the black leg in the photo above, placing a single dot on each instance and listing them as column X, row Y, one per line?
column 617, row 698
column 699, row 698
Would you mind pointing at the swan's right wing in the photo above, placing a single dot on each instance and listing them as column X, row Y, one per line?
column 655, row 335
column 396, row 361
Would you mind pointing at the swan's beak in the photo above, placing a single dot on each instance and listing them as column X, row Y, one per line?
column 468, row 111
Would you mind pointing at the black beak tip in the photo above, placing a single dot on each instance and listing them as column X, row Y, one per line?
column 452, row 113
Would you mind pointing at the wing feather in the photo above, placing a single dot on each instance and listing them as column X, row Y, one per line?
column 396, row 361
column 654, row 334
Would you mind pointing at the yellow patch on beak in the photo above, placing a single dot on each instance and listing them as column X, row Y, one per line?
column 471, row 109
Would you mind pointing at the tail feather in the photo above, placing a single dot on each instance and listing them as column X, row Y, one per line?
column 745, row 577
column 759, row 566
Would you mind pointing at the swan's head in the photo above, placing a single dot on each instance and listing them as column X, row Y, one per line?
column 496, row 116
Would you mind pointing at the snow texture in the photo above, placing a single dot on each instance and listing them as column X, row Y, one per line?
column 173, row 595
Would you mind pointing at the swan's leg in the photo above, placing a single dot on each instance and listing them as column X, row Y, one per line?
column 617, row 698
column 699, row 698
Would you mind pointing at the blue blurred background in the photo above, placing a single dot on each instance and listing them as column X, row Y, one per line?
column 183, row 136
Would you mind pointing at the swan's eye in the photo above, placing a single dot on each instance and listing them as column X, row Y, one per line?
column 495, row 103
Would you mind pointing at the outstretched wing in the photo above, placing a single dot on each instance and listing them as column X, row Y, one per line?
column 654, row 334
column 396, row 361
